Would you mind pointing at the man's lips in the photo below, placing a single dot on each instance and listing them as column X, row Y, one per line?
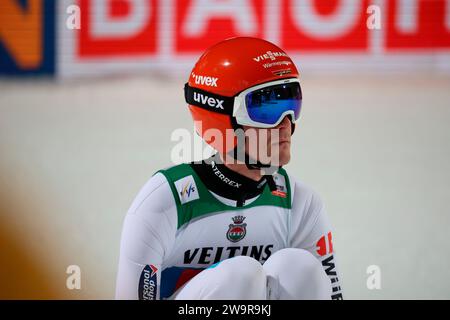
column 282, row 141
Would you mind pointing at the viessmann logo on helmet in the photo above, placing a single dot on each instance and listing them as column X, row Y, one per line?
column 205, row 80
column 270, row 55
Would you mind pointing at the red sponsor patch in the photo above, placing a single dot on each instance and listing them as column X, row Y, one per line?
column 325, row 245
column 279, row 193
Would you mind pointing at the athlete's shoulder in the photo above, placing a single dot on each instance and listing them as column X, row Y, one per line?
column 155, row 195
column 160, row 190
column 176, row 170
column 308, row 214
column 303, row 196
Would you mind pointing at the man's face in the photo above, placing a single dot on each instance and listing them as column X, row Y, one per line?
column 270, row 145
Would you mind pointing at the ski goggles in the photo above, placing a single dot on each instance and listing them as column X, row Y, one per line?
column 262, row 106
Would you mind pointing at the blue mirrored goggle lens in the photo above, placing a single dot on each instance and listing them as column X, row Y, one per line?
column 266, row 105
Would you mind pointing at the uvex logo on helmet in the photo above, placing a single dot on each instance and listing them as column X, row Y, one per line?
column 270, row 55
column 206, row 100
column 205, row 80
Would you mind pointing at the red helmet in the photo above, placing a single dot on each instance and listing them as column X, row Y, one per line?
column 228, row 69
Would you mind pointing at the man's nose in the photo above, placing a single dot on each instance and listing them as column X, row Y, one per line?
column 285, row 123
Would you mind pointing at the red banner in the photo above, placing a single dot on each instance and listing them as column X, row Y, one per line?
column 172, row 34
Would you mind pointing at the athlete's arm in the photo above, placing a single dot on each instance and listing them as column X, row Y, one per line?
column 147, row 238
column 311, row 231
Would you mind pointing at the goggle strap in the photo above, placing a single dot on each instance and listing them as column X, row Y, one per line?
column 208, row 101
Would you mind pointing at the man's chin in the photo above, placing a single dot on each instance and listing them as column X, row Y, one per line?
column 284, row 158
column 284, row 153
column 285, row 162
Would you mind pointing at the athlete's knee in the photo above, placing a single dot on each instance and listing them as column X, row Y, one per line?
column 286, row 260
column 299, row 274
column 235, row 278
column 242, row 270
column 243, row 277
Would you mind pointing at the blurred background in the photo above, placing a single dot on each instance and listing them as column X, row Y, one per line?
column 91, row 91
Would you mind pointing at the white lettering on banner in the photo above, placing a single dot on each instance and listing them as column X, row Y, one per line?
column 208, row 81
column 447, row 14
column 407, row 16
column 241, row 12
column 105, row 26
column 326, row 26
column 81, row 54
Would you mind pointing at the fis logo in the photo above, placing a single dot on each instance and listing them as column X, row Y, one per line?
column 148, row 283
column 206, row 100
column 269, row 55
column 187, row 189
column 204, row 80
